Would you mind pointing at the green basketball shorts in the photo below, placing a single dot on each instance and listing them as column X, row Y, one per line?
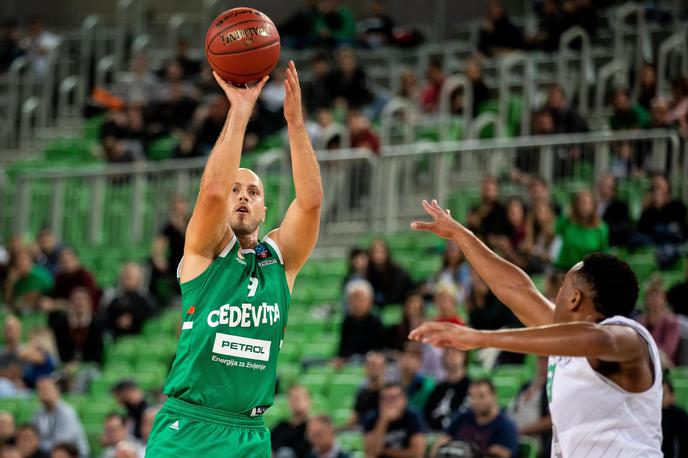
column 188, row 430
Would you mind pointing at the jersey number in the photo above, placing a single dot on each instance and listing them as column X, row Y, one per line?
column 252, row 287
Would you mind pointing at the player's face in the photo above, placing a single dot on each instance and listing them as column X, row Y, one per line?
column 246, row 203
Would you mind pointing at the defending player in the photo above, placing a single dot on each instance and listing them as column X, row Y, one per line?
column 604, row 379
column 236, row 292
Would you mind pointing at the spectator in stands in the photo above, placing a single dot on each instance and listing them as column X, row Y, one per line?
column 473, row 68
column 551, row 25
column 446, row 304
column 417, row 385
column 390, row 281
column 72, row 275
column 10, row 452
column 348, row 80
column 167, row 252
column 49, row 249
column 209, row 122
column 329, row 132
column 412, row 316
column 190, row 67
column 127, row 311
column 358, row 265
column 538, row 190
column 648, row 86
column 375, row 30
column 447, row 398
column 130, row 396
column 394, row 429
column 28, row 442
column 187, row 147
column 289, row 436
column 566, row 119
column 7, row 429
column 147, row 421
column 489, row 217
column 320, row 434
column 485, row 311
column 662, row 221
column 78, row 332
column 659, row 112
column 317, row 93
column 65, row 450
column 368, row 394
column 361, row 134
column 57, row 412
column 26, row 282
column 677, row 296
column 530, row 409
column 430, row 94
column 176, row 104
column 140, row 84
column 298, row 31
column 661, row 322
column 335, row 24
column 539, row 235
column 498, row 34
column 678, row 107
column 580, row 233
column 114, row 432
column 484, row 423
column 9, row 43
column 409, row 89
column 510, row 245
column 21, row 365
column 454, row 270
column 674, row 424
column 40, row 47
column 362, row 331
column 613, row 211
column 627, row 115
column 583, row 14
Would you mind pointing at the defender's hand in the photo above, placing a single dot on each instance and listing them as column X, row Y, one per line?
column 446, row 335
column 293, row 112
column 241, row 99
column 443, row 224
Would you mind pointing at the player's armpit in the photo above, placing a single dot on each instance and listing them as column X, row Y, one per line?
column 621, row 344
column 296, row 237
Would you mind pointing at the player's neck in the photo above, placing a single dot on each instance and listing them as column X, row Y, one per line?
column 248, row 241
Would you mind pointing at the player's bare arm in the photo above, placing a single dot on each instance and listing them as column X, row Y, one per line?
column 601, row 344
column 297, row 235
column 208, row 230
column 509, row 283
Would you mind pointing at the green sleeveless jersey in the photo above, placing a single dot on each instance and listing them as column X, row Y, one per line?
column 235, row 315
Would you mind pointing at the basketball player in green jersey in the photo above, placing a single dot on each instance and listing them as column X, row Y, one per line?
column 235, row 293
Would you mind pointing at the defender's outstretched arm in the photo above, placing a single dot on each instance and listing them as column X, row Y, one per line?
column 509, row 283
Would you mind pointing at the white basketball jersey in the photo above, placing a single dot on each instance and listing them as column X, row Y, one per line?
column 593, row 417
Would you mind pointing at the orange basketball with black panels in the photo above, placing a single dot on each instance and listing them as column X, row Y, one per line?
column 242, row 45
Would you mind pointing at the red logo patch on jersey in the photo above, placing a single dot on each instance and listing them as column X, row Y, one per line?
column 191, row 310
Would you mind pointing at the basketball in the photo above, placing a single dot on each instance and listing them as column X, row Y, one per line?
column 242, row 45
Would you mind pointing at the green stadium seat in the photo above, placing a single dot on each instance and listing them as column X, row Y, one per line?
column 528, row 447
column 277, row 412
column 161, row 148
column 357, row 370
column 288, row 373
column 476, row 371
column 325, row 296
column 342, row 391
column 321, row 347
column 11, row 405
column 319, row 405
column 78, row 401
column 521, row 372
column 151, row 376
column 316, row 384
column 27, row 409
column 507, row 388
column 340, row 417
column 681, row 390
column 351, row 441
column 94, row 411
column 391, row 314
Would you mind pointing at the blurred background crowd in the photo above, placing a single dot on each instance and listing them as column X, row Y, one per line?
column 83, row 357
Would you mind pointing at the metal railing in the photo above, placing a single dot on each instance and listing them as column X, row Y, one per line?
column 124, row 205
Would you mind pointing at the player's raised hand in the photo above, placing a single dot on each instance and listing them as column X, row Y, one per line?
column 446, row 335
column 241, row 99
column 442, row 223
column 293, row 112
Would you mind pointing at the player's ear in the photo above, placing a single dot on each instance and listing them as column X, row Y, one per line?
column 576, row 300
